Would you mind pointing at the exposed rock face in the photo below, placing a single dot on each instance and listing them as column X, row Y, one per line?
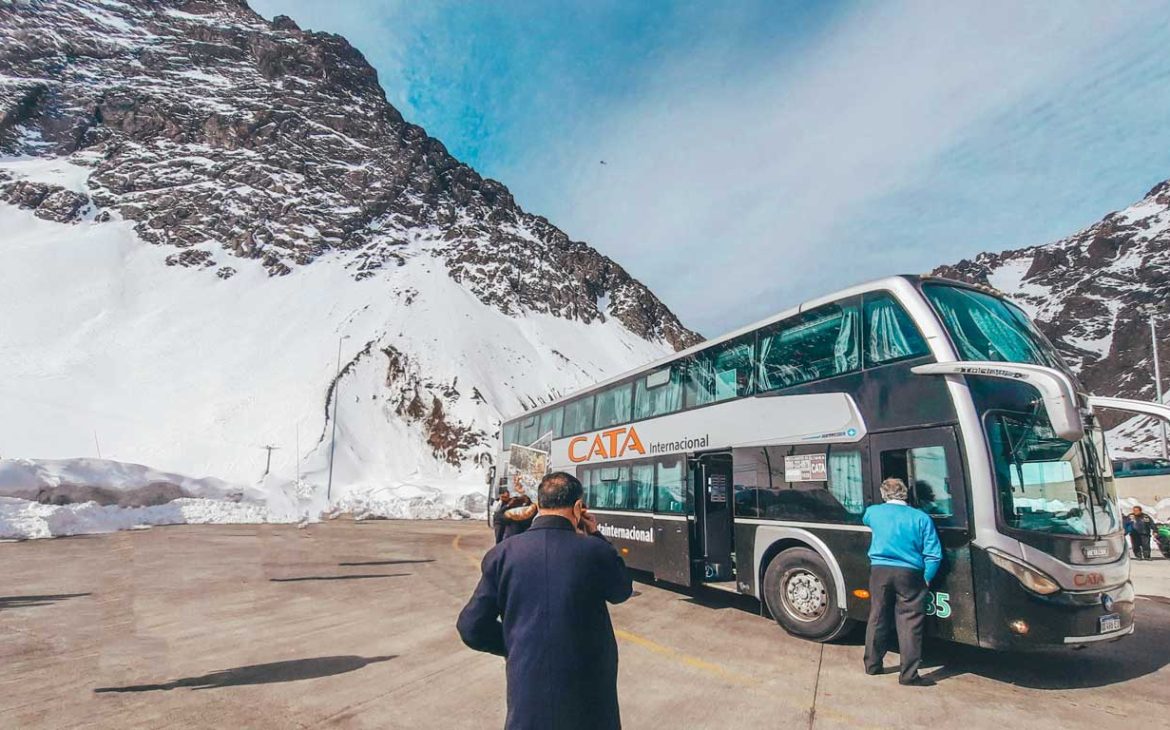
column 227, row 136
column 1093, row 294
column 51, row 202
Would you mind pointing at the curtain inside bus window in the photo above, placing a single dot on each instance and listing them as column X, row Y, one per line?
column 642, row 483
column 818, row 344
column 510, row 430
column 845, row 482
column 585, row 476
column 529, row 430
column 613, row 406
column 551, row 422
column 579, row 416
column 890, row 333
column 612, row 484
column 658, row 396
column 720, row 373
column 747, row 472
column 984, row 327
column 670, row 476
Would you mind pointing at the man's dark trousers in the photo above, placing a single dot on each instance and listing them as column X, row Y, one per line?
column 1141, row 545
column 897, row 604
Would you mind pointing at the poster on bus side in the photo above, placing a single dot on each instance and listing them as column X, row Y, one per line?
column 806, row 468
column 527, row 466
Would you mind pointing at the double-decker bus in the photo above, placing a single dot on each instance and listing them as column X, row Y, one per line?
column 745, row 463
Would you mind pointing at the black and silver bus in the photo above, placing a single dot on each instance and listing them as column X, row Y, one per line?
column 745, row 464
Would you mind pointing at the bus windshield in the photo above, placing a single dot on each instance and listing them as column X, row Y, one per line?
column 984, row 327
column 1046, row 484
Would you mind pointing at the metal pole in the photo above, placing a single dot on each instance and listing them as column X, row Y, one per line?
column 1157, row 379
column 333, row 439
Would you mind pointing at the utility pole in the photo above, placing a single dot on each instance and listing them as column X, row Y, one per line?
column 268, row 463
column 333, row 440
column 1157, row 379
column 96, row 445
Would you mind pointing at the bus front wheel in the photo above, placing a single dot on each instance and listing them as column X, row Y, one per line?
column 802, row 597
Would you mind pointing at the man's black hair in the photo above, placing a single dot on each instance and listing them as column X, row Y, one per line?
column 558, row 490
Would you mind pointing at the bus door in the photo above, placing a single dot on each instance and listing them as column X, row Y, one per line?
column 928, row 461
column 713, row 494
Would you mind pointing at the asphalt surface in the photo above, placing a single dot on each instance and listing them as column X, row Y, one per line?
column 352, row 625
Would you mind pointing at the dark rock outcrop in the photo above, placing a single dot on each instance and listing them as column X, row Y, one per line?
column 204, row 124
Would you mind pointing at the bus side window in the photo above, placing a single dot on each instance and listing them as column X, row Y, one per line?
column 924, row 470
column 671, row 475
column 840, row 497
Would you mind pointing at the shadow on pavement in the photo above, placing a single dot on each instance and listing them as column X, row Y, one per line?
column 1098, row 665
column 271, row 673
column 335, row 577
column 10, row 602
column 390, row 562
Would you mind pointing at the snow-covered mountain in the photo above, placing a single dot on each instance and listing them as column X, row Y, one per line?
column 204, row 213
column 1093, row 294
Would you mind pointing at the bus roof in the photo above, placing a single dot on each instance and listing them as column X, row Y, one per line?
column 890, row 282
column 903, row 282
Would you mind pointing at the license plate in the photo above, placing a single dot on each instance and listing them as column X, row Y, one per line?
column 1095, row 551
column 1109, row 623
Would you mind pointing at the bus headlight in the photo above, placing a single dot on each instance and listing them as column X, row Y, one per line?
column 1031, row 578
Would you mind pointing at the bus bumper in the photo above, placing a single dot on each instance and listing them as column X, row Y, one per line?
column 1021, row 620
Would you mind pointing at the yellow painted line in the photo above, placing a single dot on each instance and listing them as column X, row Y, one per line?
column 685, row 659
column 459, row 549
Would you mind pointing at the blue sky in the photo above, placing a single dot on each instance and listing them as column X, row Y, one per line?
column 761, row 153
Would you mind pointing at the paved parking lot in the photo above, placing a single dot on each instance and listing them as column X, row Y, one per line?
column 352, row 625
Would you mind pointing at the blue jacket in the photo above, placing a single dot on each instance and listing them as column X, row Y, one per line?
column 540, row 604
column 903, row 537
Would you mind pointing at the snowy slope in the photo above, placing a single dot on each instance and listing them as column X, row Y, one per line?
column 195, row 374
column 203, row 214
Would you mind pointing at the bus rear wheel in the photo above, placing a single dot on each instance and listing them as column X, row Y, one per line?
column 801, row 596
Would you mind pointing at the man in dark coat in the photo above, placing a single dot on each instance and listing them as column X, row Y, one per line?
column 1140, row 527
column 541, row 604
column 498, row 515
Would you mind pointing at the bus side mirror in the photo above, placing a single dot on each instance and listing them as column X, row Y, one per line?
column 491, row 475
column 1057, row 390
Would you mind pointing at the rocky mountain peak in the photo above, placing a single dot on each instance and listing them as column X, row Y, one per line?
column 1093, row 295
column 225, row 136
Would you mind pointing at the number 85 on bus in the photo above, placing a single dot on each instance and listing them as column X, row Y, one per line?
column 938, row 604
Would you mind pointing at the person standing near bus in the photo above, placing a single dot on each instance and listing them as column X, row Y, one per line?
column 498, row 515
column 904, row 556
column 541, row 604
column 1140, row 528
column 518, row 514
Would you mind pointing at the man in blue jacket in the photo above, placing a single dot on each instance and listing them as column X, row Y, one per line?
column 904, row 556
column 541, row 604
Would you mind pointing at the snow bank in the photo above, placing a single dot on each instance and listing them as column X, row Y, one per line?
column 21, row 518
column 18, row 477
column 409, row 501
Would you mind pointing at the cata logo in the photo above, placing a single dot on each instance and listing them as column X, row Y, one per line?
column 606, row 445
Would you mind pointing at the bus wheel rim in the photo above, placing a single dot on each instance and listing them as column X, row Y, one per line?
column 804, row 595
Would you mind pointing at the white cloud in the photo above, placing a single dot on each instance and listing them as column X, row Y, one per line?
column 726, row 194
